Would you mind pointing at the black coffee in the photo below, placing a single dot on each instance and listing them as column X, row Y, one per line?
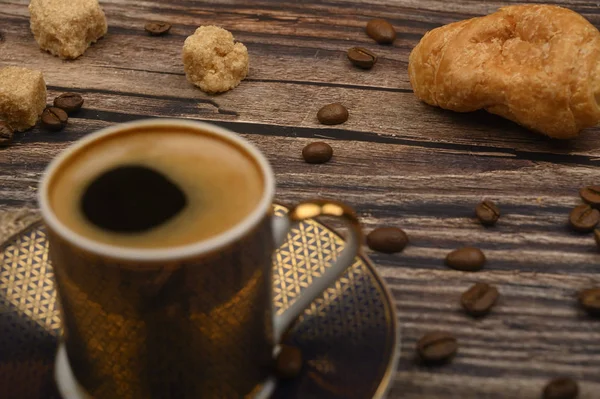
column 69, row 102
column 561, row 388
column 317, row 152
column 362, row 58
column 466, row 259
column 54, row 118
column 584, row 218
column 387, row 240
column 488, row 213
column 126, row 189
column 437, row 347
column 333, row 114
column 131, row 199
column 381, row 31
column 479, row 299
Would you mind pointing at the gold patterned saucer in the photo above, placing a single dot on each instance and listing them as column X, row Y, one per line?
column 349, row 336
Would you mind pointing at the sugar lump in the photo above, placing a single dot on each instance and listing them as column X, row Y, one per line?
column 22, row 97
column 66, row 28
column 213, row 61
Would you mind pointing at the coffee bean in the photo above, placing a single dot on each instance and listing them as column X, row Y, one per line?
column 362, row 58
column 381, row 31
column 584, row 218
column 333, row 114
column 488, row 213
column 591, row 195
column 597, row 237
column 479, row 299
column 54, row 118
column 157, row 28
column 589, row 299
column 388, row 240
column 317, row 152
column 6, row 134
column 69, row 102
column 437, row 347
column 466, row 259
column 561, row 388
column 289, row 362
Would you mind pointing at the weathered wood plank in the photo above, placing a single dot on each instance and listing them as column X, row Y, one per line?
column 292, row 101
column 397, row 161
column 436, row 207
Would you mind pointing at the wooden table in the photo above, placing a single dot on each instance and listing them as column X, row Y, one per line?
column 397, row 161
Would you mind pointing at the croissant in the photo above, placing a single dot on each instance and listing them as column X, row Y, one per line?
column 536, row 65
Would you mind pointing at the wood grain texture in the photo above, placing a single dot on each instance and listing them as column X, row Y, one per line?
column 397, row 161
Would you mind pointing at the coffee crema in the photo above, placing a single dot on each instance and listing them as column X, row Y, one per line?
column 96, row 192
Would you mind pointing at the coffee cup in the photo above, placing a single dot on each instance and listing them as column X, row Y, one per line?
column 161, row 239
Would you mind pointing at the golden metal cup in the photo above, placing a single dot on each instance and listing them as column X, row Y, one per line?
column 186, row 322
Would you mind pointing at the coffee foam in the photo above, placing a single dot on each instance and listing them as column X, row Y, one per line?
column 222, row 182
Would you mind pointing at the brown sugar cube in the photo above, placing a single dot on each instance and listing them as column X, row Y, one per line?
column 66, row 28
column 22, row 97
column 213, row 61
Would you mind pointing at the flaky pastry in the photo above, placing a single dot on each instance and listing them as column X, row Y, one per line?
column 536, row 65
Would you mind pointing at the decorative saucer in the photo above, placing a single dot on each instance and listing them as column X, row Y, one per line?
column 349, row 336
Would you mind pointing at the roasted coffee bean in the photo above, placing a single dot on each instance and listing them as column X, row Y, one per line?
column 488, row 213
column 466, row 259
column 437, row 347
column 591, row 195
column 54, row 118
column 157, row 28
column 584, row 218
column 597, row 237
column 69, row 102
column 381, row 31
column 561, row 388
column 6, row 134
column 289, row 362
column 589, row 299
column 479, row 299
column 362, row 58
column 317, row 152
column 388, row 240
column 333, row 114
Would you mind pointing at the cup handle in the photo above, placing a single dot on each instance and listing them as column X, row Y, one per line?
column 282, row 226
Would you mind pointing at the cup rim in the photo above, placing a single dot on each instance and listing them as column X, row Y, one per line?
column 163, row 254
